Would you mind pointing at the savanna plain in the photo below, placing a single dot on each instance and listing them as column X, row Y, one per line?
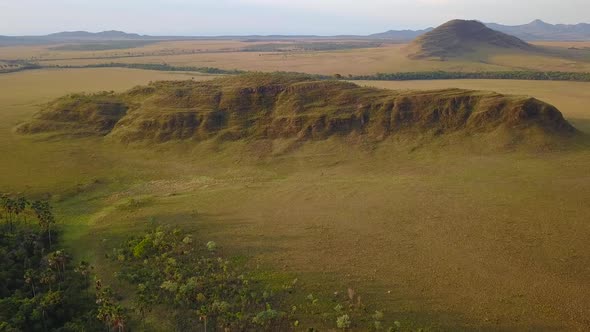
column 439, row 234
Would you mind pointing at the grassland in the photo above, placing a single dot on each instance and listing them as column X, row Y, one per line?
column 386, row 58
column 439, row 236
column 434, row 236
column 101, row 46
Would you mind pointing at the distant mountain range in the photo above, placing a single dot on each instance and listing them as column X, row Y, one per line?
column 79, row 37
column 85, row 35
column 539, row 30
column 400, row 35
column 534, row 31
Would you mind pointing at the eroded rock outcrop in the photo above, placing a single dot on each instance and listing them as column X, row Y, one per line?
column 270, row 106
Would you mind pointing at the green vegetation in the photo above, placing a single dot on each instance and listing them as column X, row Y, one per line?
column 160, row 67
column 200, row 290
column 408, row 218
column 163, row 270
column 167, row 268
column 41, row 289
column 484, row 75
column 16, row 66
column 94, row 114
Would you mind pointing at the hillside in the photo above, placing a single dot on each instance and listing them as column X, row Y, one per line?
column 282, row 106
column 536, row 30
column 458, row 37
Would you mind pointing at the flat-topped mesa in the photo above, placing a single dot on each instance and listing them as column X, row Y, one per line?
column 271, row 106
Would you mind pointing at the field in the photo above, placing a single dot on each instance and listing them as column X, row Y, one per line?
column 436, row 236
column 442, row 236
column 290, row 56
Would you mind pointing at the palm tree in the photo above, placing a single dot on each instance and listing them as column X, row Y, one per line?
column 20, row 204
column 43, row 212
column 9, row 205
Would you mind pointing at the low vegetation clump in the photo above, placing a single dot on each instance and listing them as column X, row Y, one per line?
column 167, row 276
column 199, row 287
column 193, row 284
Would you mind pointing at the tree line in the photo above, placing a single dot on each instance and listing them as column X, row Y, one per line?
column 159, row 67
column 15, row 66
column 397, row 76
column 495, row 75
column 41, row 288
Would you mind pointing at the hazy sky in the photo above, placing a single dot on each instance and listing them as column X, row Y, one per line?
column 239, row 17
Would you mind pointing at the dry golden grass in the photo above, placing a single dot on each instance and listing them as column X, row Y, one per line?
column 165, row 48
column 359, row 61
column 540, row 62
column 21, row 52
column 224, row 54
column 46, row 52
column 42, row 85
column 563, row 44
column 21, row 95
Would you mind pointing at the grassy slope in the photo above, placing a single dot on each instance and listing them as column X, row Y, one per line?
column 461, row 240
column 458, row 37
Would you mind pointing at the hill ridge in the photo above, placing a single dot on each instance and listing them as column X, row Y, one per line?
column 107, row 34
column 267, row 106
column 540, row 30
column 459, row 37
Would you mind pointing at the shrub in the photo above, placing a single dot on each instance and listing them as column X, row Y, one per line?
column 343, row 322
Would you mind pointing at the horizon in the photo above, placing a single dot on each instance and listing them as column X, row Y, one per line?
column 276, row 17
column 285, row 35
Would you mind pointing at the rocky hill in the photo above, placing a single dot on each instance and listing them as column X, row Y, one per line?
column 458, row 37
column 273, row 106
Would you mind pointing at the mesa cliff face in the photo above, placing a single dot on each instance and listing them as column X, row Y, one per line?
column 271, row 106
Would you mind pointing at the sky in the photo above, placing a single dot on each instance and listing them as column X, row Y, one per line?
column 247, row 17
